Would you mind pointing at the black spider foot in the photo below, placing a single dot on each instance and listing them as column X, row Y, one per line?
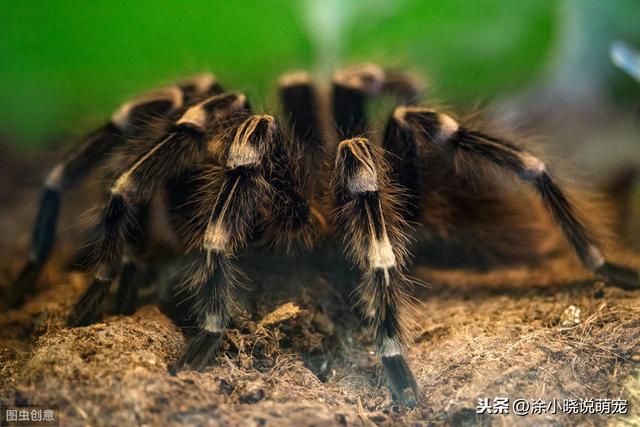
column 85, row 309
column 401, row 381
column 127, row 295
column 200, row 351
column 25, row 283
column 620, row 276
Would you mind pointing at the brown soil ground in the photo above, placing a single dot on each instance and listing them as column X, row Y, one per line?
column 546, row 332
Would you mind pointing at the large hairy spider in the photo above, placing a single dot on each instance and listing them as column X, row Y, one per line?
column 234, row 178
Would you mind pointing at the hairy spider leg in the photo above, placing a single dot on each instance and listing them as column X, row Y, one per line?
column 302, row 112
column 131, row 119
column 408, row 88
column 136, row 246
column 441, row 130
column 240, row 195
column 367, row 216
column 404, row 163
column 353, row 86
column 291, row 221
column 300, row 164
column 182, row 147
column 194, row 89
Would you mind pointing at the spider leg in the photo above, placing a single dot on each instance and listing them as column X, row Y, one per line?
column 368, row 218
column 405, row 162
column 131, row 119
column 290, row 221
column 406, row 87
column 240, row 192
column 298, row 169
column 302, row 111
column 351, row 89
column 146, row 126
column 353, row 86
column 198, row 87
column 127, row 293
column 178, row 150
column 301, row 108
column 442, row 130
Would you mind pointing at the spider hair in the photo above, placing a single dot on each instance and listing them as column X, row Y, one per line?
column 234, row 179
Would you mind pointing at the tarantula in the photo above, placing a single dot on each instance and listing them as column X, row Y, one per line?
column 234, row 178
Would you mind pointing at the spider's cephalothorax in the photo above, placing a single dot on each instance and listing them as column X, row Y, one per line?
column 234, row 177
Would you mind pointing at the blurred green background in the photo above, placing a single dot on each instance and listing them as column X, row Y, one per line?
column 66, row 64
